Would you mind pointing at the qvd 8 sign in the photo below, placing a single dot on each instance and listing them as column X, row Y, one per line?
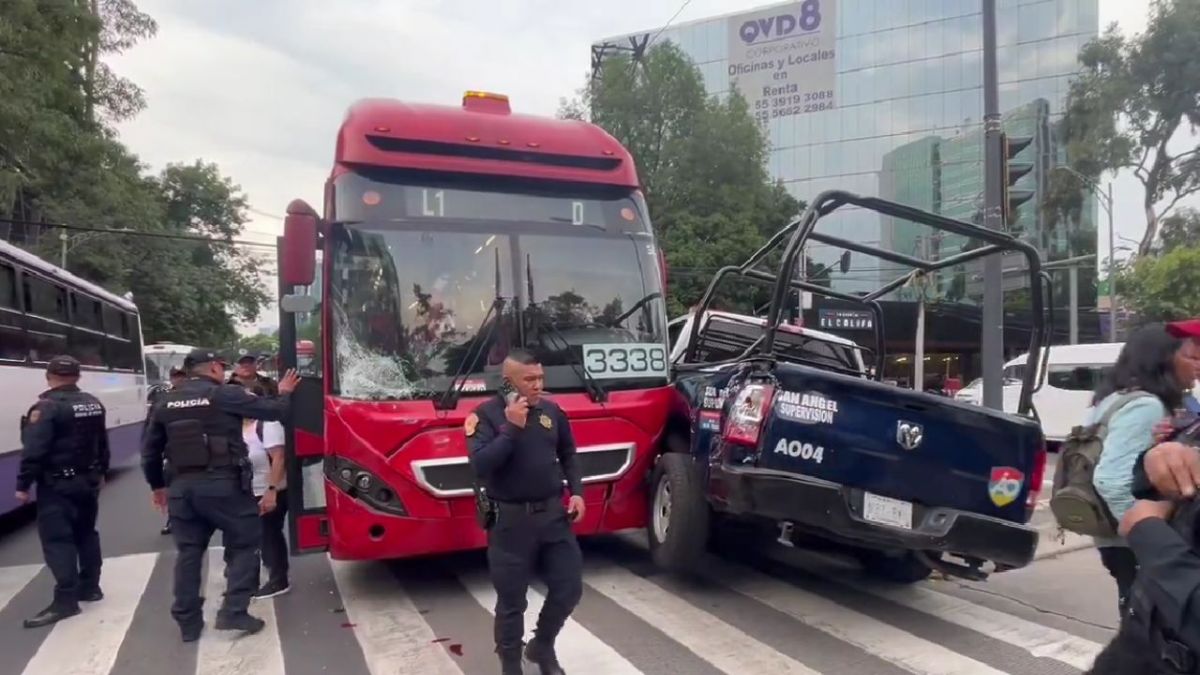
column 619, row 360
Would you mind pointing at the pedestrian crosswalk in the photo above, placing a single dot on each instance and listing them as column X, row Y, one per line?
column 433, row 617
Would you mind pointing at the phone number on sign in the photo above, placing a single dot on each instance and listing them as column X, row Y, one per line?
column 793, row 104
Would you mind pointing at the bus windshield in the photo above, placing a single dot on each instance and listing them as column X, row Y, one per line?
column 418, row 298
column 159, row 365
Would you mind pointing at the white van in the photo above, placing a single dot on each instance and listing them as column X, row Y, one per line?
column 1072, row 374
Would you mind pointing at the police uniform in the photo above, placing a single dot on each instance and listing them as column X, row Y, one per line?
column 522, row 471
column 198, row 428
column 267, row 384
column 154, row 396
column 65, row 453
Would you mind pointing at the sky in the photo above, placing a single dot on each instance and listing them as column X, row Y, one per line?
column 260, row 87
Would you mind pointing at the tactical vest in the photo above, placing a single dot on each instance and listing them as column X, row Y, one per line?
column 78, row 449
column 1177, row 654
column 196, row 439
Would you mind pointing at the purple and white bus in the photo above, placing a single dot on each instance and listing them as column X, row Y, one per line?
column 45, row 311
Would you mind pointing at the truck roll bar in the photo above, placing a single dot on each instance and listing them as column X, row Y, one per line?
column 802, row 230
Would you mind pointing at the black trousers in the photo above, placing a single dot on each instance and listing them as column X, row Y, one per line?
column 199, row 506
column 523, row 543
column 274, row 545
column 66, row 519
column 1122, row 565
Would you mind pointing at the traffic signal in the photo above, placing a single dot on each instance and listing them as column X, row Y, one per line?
column 1013, row 171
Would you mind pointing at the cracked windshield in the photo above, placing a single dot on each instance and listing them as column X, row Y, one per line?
column 439, row 281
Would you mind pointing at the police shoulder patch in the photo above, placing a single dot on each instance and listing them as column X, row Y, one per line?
column 35, row 415
column 470, row 424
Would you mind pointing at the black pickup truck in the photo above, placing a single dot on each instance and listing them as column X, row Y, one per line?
column 781, row 427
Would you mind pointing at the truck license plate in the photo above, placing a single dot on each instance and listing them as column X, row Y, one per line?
column 887, row 511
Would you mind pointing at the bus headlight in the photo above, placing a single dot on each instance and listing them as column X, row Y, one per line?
column 363, row 486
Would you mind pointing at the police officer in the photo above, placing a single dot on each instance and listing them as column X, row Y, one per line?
column 245, row 373
column 177, row 376
column 65, row 452
column 198, row 427
column 521, row 448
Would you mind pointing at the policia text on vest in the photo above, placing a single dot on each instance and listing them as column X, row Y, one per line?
column 197, row 427
column 65, row 453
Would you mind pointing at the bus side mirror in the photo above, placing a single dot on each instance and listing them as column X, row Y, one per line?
column 298, row 258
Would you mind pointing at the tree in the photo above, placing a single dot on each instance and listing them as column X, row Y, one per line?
column 261, row 343
column 701, row 161
column 1131, row 99
column 1181, row 228
column 1166, row 288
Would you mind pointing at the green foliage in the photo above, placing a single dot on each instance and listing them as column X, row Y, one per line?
column 701, row 161
column 1181, row 228
column 60, row 161
column 1165, row 288
column 262, row 343
column 1131, row 98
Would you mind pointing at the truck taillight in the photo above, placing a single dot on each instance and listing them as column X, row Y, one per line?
column 748, row 413
column 1038, row 477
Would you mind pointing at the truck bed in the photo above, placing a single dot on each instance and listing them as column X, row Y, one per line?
column 898, row 443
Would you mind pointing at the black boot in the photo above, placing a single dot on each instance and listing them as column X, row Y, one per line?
column 541, row 652
column 242, row 621
column 510, row 660
column 52, row 614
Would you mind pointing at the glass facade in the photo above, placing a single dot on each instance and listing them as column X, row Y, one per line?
column 907, row 124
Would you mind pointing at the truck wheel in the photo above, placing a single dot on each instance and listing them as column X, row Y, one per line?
column 898, row 567
column 678, row 527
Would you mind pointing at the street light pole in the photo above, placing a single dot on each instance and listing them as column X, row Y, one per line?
column 992, row 337
column 1112, row 271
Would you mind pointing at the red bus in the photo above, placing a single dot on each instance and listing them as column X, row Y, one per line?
column 451, row 235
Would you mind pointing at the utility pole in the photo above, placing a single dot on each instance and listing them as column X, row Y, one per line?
column 992, row 337
column 1112, row 270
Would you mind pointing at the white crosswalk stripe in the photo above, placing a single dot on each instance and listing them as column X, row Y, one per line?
column 88, row 643
column 392, row 634
column 13, row 579
column 386, row 624
column 230, row 652
column 578, row 650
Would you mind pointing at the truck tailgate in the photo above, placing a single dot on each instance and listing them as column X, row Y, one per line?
column 900, row 443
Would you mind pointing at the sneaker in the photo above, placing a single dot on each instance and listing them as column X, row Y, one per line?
column 272, row 589
column 543, row 655
column 243, row 622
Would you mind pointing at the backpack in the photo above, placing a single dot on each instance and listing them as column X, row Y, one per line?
column 1075, row 503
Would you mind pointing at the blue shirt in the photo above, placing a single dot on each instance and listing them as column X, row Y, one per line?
column 1190, row 402
column 1130, row 433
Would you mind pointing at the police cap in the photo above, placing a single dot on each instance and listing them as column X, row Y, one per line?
column 202, row 355
column 247, row 356
column 65, row 366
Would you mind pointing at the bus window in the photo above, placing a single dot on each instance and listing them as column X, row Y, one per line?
column 12, row 332
column 46, row 304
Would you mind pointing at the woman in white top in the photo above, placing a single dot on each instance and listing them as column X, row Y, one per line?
column 265, row 442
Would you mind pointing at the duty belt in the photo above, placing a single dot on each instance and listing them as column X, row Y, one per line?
column 62, row 473
column 534, row 506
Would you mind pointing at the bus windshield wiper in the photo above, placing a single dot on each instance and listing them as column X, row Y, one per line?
column 449, row 398
column 595, row 390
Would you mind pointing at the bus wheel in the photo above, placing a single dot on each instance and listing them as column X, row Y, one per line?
column 678, row 527
column 901, row 567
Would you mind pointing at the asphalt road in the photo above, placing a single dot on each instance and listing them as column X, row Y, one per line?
column 775, row 611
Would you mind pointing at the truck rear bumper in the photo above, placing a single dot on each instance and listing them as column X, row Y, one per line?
column 835, row 511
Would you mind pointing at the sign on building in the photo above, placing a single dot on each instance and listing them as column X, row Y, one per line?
column 845, row 319
column 782, row 58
